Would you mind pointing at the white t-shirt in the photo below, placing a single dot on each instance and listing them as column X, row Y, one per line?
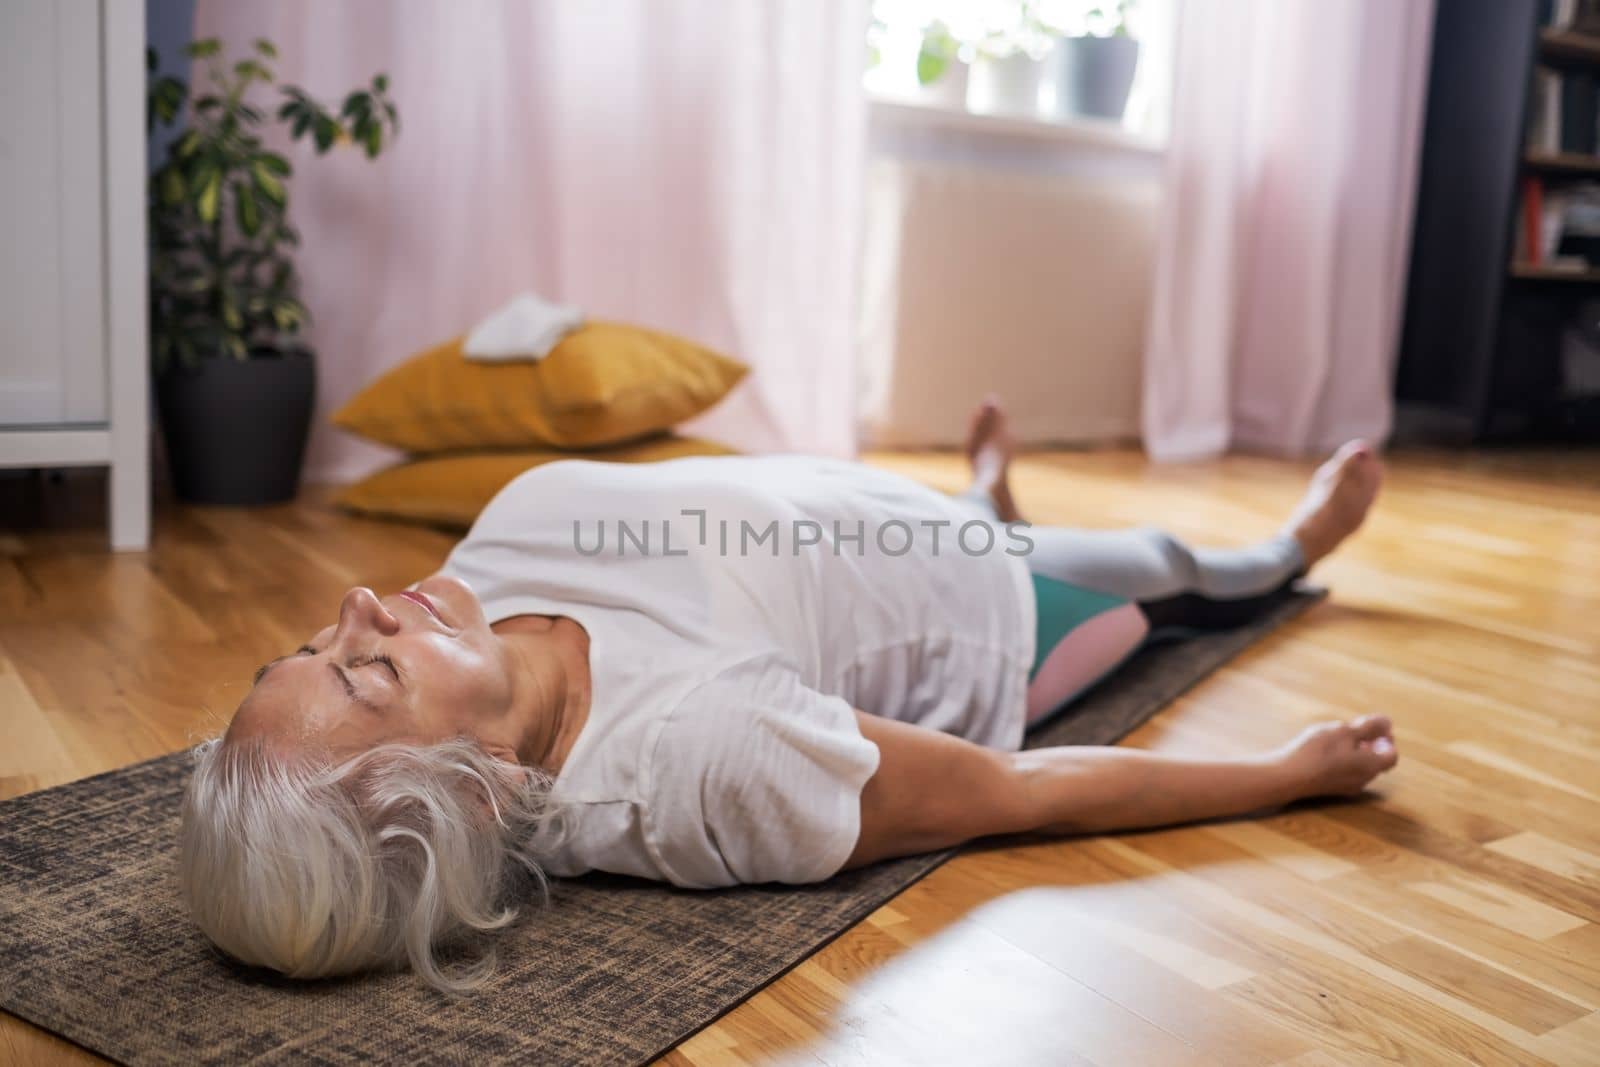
column 738, row 609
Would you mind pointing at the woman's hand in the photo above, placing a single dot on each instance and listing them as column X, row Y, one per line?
column 1339, row 758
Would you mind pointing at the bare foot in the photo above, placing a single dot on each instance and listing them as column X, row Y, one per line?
column 1341, row 492
column 989, row 449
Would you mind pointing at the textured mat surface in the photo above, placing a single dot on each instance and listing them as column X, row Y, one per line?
column 95, row 946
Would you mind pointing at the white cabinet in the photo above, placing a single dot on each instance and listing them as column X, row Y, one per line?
column 73, row 349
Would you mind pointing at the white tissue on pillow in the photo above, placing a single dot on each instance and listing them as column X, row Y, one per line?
column 526, row 328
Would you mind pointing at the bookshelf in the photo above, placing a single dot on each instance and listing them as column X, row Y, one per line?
column 1567, row 44
column 1538, row 272
column 1562, row 163
column 1482, row 343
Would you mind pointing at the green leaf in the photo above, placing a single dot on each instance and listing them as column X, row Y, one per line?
column 230, row 311
column 270, row 186
column 326, row 131
column 266, row 48
column 288, row 314
column 187, row 144
column 374, row 140
column 166, row 100
column 274, row 164
column 930, row 65
column 203, row 49
column 250, row 68
column 210, row 194
column 380, row 84
column 172, row 186
column 246, row 211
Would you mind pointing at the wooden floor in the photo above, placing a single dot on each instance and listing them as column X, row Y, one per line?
column 1454, row 917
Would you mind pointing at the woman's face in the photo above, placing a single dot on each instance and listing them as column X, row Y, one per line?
column 417, row 666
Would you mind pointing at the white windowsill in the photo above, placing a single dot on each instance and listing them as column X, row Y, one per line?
column 1089, row 133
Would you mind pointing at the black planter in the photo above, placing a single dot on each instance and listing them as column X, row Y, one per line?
column 236, row 429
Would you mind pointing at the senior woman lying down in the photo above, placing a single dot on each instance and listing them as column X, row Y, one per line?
column 716, row 671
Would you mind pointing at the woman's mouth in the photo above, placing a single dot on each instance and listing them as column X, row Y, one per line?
column 418, row 598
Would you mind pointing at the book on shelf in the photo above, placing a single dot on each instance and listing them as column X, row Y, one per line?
column 1563, row 112
column 1544, row 111
column 1530, row 243
column 1578, row 16
column 1585, row 17
column 1578, row 112
column 1558, row 228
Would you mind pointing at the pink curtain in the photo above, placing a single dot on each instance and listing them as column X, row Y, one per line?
column 686, row 165
column 1290, row 176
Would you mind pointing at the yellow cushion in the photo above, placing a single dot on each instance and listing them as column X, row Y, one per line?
column 604, row 383
column 451, row 490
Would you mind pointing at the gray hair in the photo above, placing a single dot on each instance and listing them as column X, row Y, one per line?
column 316, row 867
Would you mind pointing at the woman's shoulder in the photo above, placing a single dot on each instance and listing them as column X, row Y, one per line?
column 636, row 696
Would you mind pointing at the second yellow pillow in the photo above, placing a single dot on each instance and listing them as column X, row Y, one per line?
column 451, row 490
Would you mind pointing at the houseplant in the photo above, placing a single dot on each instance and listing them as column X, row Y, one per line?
column 234, row 387
column 941, row 74
column 915, row 56
column 1095, row 66
column 1006, row 74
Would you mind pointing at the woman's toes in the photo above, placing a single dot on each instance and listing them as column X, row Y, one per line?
column 1372, row 727
column 983, row 424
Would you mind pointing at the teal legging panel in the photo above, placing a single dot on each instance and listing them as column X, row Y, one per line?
column 1080, row 636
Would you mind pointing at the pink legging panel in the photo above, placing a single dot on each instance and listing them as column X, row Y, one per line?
column 1088, row 653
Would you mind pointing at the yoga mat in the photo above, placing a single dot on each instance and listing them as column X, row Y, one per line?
column 95, row 946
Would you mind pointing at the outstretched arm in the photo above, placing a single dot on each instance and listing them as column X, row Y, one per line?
column 932, row 790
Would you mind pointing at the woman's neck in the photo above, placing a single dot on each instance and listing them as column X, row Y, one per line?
column 552, row 689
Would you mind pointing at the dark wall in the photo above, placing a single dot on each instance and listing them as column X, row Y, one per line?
column 168, row 26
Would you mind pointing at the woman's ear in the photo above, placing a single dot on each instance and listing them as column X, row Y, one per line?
column 502, row 752
column 510, row 766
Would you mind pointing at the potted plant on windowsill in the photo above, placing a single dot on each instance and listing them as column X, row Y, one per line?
column 941, row 74
column 234, row 386
column 1008, row 69
column 1094, row 70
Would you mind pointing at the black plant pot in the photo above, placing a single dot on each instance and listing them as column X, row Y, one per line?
column 236, row 429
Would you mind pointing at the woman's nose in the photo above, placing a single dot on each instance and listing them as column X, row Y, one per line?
column 361, row 610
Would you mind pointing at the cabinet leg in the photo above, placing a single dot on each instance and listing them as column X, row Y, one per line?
column 130, row 502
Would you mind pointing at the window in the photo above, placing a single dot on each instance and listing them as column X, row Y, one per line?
column 1060, row 61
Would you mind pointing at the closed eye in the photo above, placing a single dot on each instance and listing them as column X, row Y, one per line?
column 382, row 660
column 261, row 671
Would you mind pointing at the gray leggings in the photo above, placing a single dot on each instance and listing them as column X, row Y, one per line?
column 1173, row 584
column 1148, row 565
